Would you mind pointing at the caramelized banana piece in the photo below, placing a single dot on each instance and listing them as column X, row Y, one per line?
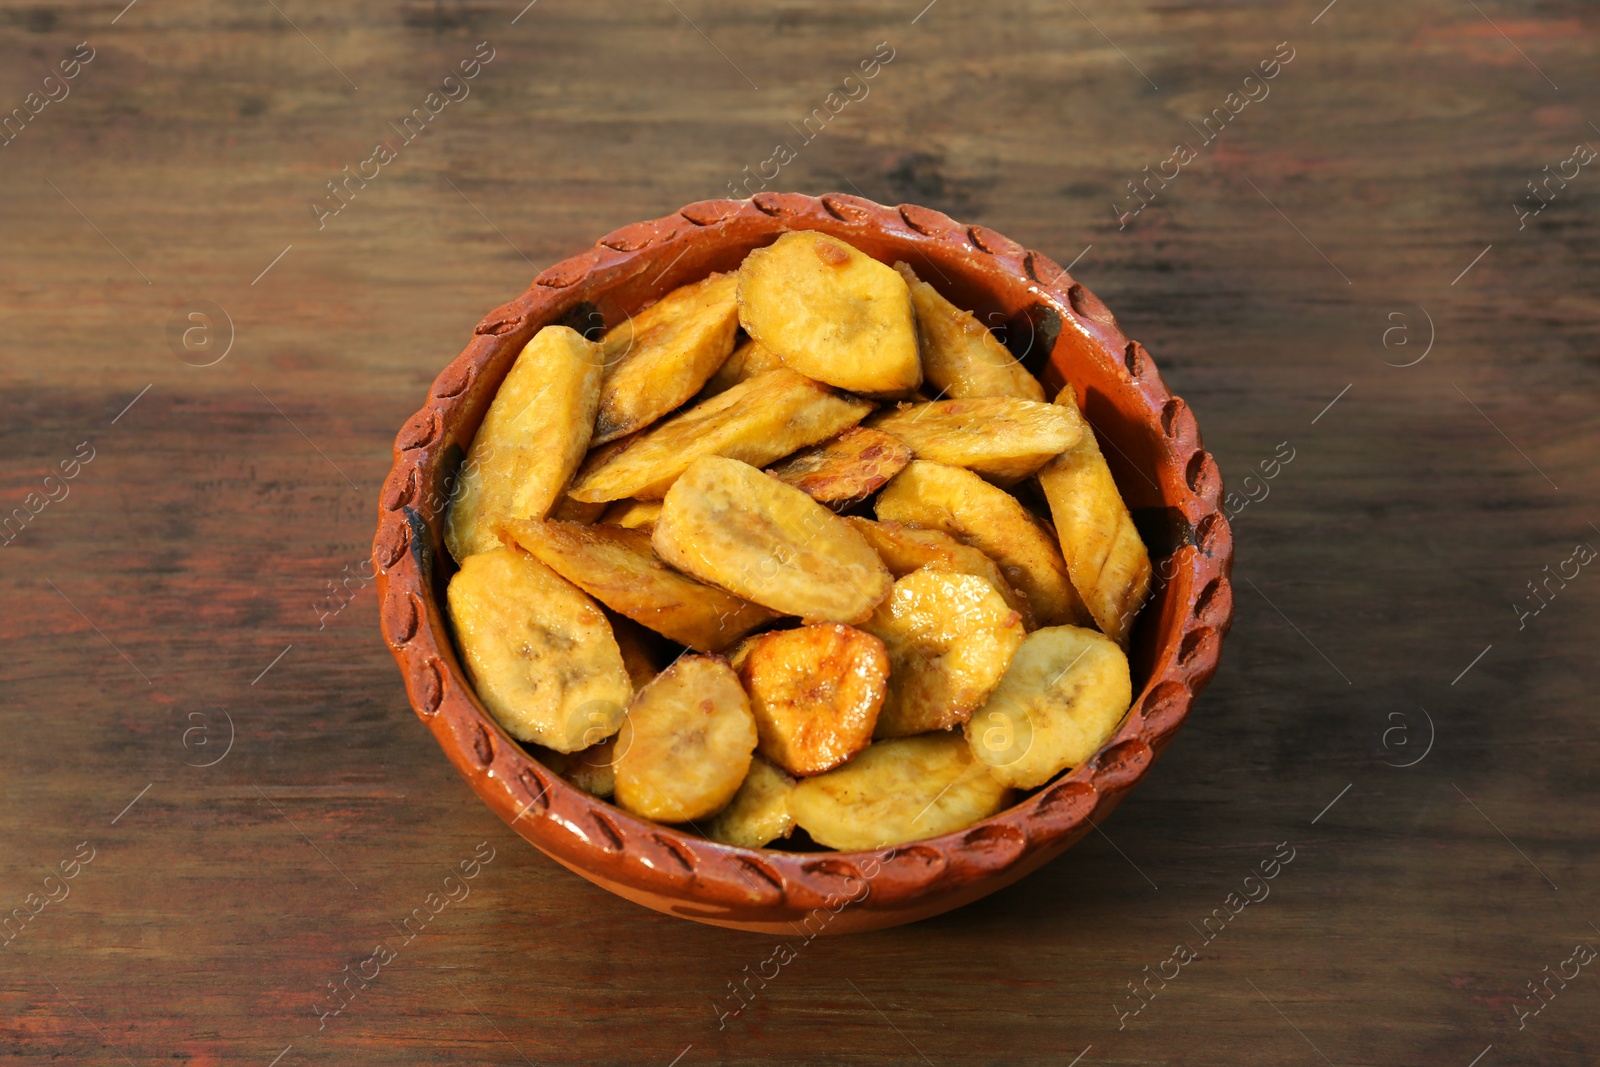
column 617, row 567
column 950, row 637
column 1063, row 696
column 963, row 505
column 759, row 811
column 748, row 360
column 960, row 357
column 731, row 525
column 831, row 313
column 904, row 549
column 632, row 514
column 590, row 769
column 756, row 421
column 540, row 653
column 815, row 693
column 570, row 510
column 686, row 743
column 1000, row 437
column 1108, row 563
column 660, row 357
column 897, row 791
column 850, row 467
column 530, row 442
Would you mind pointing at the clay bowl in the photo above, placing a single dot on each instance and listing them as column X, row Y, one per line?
column 1060, row 331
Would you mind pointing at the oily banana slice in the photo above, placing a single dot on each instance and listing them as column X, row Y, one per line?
column 685, row 745
column 1105, row 557
column 850, row 467
column 632, row 514
column 1063, row 696
column 590, row 769
column 950, row 637
column 731, row 525
column 530, row 442
column 904, row 549
column 960, row 357
column 758, row 814
column 540, row 653
column 832, row 313
column 748, row 360
column 898, row 791
column 815, row 692
column 966, row 507
column 660, row 357
column 757, row 421
column 618, row 567
column 1000, row 437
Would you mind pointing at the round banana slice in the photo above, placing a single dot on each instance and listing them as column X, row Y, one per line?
column 759, row 811
column 541, row 654
column 685, row 746
column 1065, row 692
column 897, row 791
column 815, row 692
column 950, row 637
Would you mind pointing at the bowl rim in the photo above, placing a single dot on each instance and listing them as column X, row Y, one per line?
column 721, row 882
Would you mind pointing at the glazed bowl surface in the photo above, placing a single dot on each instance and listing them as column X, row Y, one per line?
column 1059, row 330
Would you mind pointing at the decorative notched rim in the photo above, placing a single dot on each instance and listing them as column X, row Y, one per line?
column 719, row 882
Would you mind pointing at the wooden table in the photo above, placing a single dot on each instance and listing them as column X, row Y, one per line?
column 1340, row 267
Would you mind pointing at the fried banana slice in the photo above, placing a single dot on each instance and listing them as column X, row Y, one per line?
column 731, row 525
column 591, row 769
column 617, row 567
column 632, row 514
column 897, row 791
column 1063, row 696
column 850, row 467
column 540, row 653
column 1108, row 562
column 748, row 360
column 815, row 693
column 530, row 442
column 686, row 743
column 1000, row 437
column 963, row 505
column 637, row 644
column 757, row 421
column 960, row 357
column 663, row 355
column 570, row 510
column 759, row 812
column 950, row 637
column 904, row 549
column 831, row 312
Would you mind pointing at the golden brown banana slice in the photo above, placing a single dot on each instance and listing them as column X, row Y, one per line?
column 660, row 357
column 963, row 505
column 540, row 653
column 950, row 637
column 1063, row 696
column 960, row 357
column 757, row 421
column 570, row 510
column 815, row 692
column 618, row 567
column 685, row 745
column 897, row 791
column 759, row 812
column 748, row 360
column 831, row 313
column 904, row 549
column 632, row 514
column 590, row 769
column 1108, row 562
column 731, row 525
column 1000, row 437
column 850, row 467
column 530, row 442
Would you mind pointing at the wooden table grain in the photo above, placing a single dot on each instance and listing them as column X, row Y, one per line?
column 1380, row 260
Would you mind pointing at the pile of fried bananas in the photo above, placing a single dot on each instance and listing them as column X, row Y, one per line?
column 763, row 556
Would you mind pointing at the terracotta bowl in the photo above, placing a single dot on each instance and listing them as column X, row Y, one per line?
column 1060, row 331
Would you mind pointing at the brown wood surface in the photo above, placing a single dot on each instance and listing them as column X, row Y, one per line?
column 184, row 578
